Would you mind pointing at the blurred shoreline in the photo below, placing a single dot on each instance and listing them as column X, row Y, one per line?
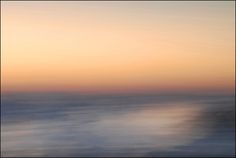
column 66, row 124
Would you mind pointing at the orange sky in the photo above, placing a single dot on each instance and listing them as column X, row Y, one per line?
column 117, row 46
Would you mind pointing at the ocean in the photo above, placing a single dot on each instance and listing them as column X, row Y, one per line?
column 73, row 124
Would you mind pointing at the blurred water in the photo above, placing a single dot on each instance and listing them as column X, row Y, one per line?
column 117, row 125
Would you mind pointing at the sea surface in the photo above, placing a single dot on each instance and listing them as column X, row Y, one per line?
column 72, row 124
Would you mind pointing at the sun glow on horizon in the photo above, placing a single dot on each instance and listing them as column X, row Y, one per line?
column 118, row 46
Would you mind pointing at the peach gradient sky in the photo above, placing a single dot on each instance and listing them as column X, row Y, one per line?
column 117, row 46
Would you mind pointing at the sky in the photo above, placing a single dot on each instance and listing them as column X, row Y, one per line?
column 117, row 46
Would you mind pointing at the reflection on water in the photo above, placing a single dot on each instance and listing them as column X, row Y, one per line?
column 148, row 125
